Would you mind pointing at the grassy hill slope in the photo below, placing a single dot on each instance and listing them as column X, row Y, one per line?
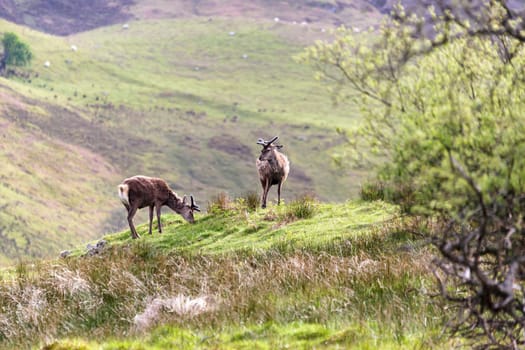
column 65, row 17
column 180, row 99
column 301, row 275
column 48, row 188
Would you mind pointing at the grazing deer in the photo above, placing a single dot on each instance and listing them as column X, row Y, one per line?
column 273, row 167
column 141, row 191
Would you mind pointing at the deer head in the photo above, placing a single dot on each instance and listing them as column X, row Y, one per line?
column 268, row 147
column 186, row 209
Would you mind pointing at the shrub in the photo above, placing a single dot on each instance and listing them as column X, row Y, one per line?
column 443, row 122
column 394, row 191
column 249, row 201
column 302, row 207
column 372, row 191
column 219, row 203
column 16, row 52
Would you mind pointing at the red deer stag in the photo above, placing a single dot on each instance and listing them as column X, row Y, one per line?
column 141, row 191
column 273, row 167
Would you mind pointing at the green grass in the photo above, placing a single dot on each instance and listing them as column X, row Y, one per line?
column 136, row 100
column 340, row 278
column 235, row 230
column 267, row 336
column 185, row 64
column 44, row 200
column 132, row 101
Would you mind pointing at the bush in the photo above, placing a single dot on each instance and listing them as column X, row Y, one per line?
column 372, row 191
column 445, row 130
column 302, row 207
column 16, row 52
column 398, row 192
column 249, row 200
column 219, row 203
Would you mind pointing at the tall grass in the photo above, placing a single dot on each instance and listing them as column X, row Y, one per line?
column 249, row 200
column 372, row 191
column 302, row 207
column 133, row 288
column 219, row 203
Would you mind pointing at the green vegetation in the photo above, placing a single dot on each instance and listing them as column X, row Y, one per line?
column 444, row 114
column 184, row 99
column 235, row 228
column 266, row 336
column 169, row 98
column 43, row 200
column 15, row 53
column 347, row 276
column 435, row 122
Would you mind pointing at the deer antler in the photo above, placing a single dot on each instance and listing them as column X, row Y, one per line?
column 267, row 143
column 193, row 205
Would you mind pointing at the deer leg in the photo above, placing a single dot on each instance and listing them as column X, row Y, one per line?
column 150, row 218
column 262, row 194
column 279, row 193
column 131, row 213
column 158, row 217
column 266, row 188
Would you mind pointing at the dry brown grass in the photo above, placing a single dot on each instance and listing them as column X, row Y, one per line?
column 219, row 203
column 131, row 289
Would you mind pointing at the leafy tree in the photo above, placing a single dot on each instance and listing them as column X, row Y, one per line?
column 443, row 105
column 16, row 52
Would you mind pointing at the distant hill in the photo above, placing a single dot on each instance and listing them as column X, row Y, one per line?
column 65, row 17
column 49, row 187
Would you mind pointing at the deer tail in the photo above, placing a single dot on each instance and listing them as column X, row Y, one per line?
column 123, row 193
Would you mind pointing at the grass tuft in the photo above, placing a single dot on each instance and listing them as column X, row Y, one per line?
column 67, row 345
column 249, row 201
column 372, row 191
column 303, row 207
column 219, row 203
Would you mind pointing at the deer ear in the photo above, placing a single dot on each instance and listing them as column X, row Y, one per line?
column 279, row 147
column 184, row 199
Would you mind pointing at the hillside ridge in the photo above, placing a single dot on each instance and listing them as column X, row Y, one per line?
column 66, row 17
